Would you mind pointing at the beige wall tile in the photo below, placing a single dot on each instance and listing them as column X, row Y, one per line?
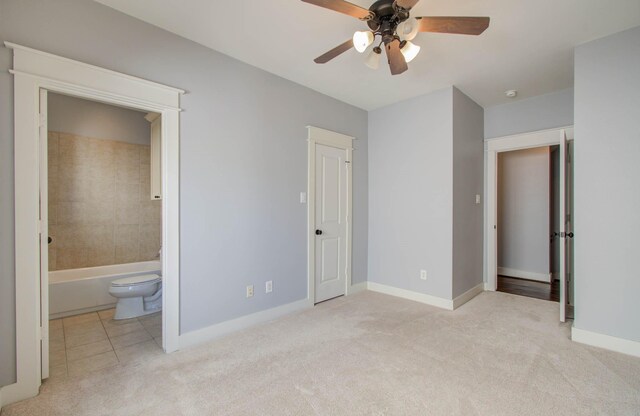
column 71, row 258
column 126, row 153
column 100, row 212
column 70, row 213
column 76, row 189
column 145, row 155
column 127, row 243
column 102, row 189
column 145, row 175
column 98, row 197
column 72, row 149
column 128, row 213
column 52, row 213
column 127, row 173
column 127, row 192
column 53, row 254
column 150, row 212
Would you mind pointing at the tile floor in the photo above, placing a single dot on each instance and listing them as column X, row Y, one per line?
column 85, row 343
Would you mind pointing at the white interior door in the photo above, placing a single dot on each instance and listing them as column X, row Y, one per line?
column 44, row 236
column 563, row 226
column 330, row 222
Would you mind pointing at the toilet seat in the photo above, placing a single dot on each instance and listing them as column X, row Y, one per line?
column 137, row 280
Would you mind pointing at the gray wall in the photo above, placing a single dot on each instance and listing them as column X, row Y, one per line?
column 468, row 168
column 96, row 120
column 523, row 210
column 411, row 194
column 243, row 157
column 607, row 201
column 530, row 114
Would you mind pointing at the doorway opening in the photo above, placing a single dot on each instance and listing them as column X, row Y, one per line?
column 37, row 73
column 529, row 225
column 527, row 195
column 101, row 198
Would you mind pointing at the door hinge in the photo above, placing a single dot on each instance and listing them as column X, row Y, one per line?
column 42, row 119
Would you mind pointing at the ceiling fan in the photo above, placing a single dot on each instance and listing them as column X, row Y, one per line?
column 389, row 19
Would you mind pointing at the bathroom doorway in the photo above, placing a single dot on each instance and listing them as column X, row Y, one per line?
column 103, row 210
column 36, row 73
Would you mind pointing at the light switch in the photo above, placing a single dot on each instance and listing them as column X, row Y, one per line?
column 303, row 197
column 477, row 198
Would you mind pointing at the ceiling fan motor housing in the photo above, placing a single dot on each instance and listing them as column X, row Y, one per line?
column 386, row 18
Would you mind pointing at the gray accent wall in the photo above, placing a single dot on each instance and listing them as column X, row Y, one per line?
column 96, row 120
column 607, row 173
column 243, row 159
column 411, row 194
column 425, row 168
column 542, row 112
column 468, row 170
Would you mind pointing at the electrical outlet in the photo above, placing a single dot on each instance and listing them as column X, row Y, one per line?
column 250, row 291
column 268, row 287
column 423, row 274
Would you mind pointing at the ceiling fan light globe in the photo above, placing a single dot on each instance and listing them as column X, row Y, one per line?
column 409, row 51
column 373, row 60
column 408, row 29
column 362, row 40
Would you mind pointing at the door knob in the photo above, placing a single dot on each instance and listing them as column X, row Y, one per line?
column 49, row 240
column 570, row 235
column 318, row 232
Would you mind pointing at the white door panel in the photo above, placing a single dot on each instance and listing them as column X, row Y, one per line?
column 330, row 222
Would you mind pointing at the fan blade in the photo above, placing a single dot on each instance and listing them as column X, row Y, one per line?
column 342, row 6
column 458, row 25
column 342, row 48
column 406, row 4
column 397, row 63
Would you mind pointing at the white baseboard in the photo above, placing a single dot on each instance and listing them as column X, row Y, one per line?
column 357, row 288
column 410, row 295
column 224, row 328
column 468, row 295
column 522, row 274
column 488, row 288
column 607, row 342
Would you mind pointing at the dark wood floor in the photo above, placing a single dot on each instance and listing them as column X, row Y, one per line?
column 529, row 288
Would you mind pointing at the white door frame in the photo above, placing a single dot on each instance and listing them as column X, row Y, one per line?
column 34, row 70
column 491, row 149
column 317, row 135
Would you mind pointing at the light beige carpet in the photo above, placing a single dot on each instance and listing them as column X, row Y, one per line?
column 369, row 354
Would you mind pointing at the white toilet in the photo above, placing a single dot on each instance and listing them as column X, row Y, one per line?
column 137, row 295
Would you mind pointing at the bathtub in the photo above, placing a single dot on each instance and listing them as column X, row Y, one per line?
column 76, row 291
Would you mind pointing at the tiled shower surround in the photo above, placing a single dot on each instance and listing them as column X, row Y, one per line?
column 100, row 210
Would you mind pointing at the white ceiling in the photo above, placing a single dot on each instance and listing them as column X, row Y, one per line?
column 528, row 46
